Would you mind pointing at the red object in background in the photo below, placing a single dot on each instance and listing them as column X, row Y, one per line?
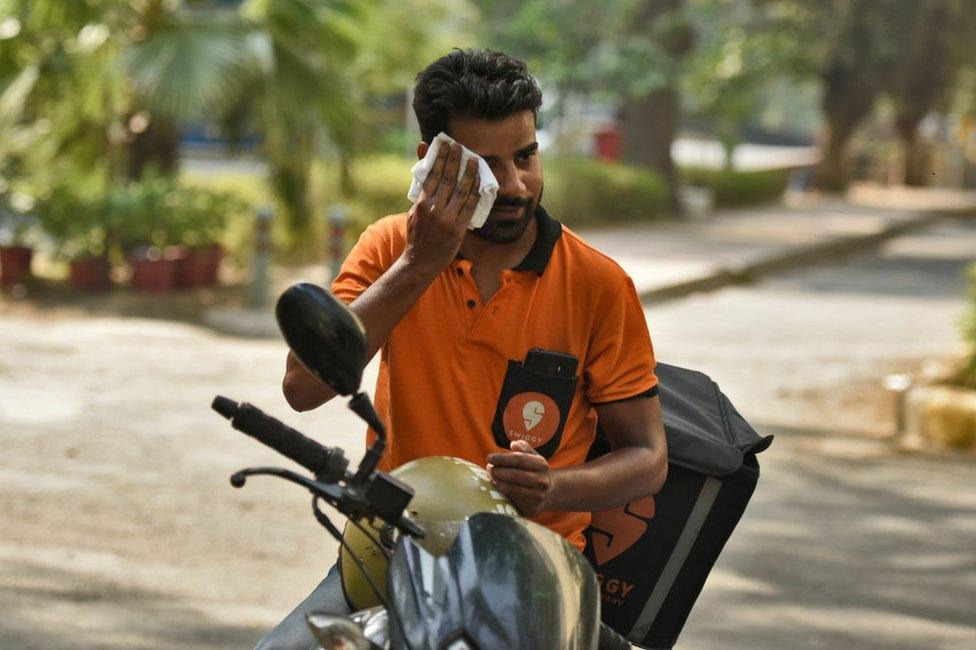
column 189, row 269
column 608, row 144
column 194, row 267
column 15, row 264
column 90, row 274
column 212, row 256
column 152, row 274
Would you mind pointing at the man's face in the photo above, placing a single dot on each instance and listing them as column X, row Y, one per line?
column 509, row 147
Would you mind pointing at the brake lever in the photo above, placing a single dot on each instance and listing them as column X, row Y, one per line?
column 330, row 492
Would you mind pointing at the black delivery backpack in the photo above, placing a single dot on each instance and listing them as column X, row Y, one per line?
column 653, row 555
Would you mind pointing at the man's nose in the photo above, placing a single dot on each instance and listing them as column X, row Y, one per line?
column 510, row 181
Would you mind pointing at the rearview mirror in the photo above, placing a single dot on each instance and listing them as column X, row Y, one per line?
column 325, row 335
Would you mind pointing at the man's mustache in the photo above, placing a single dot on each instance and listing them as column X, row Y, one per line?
column 510, row 202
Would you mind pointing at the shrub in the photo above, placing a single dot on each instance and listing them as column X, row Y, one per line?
column 578, row 190
column 155, row 211
column 378, row 187
column 739, row 188
column 584, row 191
column 969, row 332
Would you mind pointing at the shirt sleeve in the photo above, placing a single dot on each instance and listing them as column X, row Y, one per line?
column 620, row 362
column 367, row 261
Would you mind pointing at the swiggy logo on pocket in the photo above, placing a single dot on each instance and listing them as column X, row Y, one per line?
column 533, row 417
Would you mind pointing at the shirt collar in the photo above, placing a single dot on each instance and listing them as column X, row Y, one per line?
column 548, row 232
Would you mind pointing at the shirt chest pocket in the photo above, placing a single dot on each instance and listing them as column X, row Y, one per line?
column 533, row 406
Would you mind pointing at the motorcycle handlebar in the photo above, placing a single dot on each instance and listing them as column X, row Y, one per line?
column 327, row 464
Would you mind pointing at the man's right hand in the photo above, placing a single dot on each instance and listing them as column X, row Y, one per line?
column 439, row 219
column 435, row 228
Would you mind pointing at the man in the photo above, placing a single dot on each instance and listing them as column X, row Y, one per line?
column 455, row 313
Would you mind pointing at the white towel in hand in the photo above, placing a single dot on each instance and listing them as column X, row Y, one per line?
column 488, row 188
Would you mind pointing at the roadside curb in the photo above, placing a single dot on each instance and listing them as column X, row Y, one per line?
column 823, row 251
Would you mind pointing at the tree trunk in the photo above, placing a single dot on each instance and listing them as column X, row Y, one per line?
column 158, row 146
column 848, row 99
column 915, row 164
column 832, row 173
column 649, row 125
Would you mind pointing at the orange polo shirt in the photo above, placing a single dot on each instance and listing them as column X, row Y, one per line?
column 451, row 381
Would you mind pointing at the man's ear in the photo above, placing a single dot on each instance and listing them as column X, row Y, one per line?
column 422, row 150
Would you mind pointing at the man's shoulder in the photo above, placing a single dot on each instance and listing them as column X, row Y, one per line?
column 581, row 256
column 392, row 226
column 384, row 237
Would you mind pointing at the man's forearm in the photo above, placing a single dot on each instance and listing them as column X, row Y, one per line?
column 380, row 307
column 619, row 477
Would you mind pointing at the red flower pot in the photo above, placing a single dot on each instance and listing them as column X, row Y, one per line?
column 14, row 264
column 152, row 274
column 90, row 274
column 211, row 256
column 185, row 272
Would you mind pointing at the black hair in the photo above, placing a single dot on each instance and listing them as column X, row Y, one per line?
column 472, row 83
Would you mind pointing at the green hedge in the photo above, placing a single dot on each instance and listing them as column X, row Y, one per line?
column 578, row 191
column 969, row 331
column 583, row 191
column 739, row 188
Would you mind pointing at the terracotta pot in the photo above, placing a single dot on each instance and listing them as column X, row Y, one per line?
column 152, row 274
column 15, row 264
column 211, row 257
column 90, row 274
column 187, row 269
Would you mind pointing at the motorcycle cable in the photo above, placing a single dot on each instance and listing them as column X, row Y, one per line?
column 323, row 519
column 386, row 553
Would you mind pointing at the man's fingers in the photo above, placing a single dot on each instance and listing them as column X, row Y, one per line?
column 522, row 445
column 526, row 500
column 521, row 477
column 434, row 175
column 467, row 182
column 452, row 170
column 518, row 460
column 470, row 203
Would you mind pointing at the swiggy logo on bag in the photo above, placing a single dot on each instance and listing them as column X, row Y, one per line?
column 614, row 531
column 533, row 417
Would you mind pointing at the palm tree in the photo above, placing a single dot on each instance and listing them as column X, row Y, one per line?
column 97, row 65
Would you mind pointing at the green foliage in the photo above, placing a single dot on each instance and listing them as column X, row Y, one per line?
column 584, row 191
column 579, row 191
column 739, row 188
column 379, row 188
column 969, row 332
column 155, row 211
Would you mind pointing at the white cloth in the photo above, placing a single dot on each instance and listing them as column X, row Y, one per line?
column 488, row 188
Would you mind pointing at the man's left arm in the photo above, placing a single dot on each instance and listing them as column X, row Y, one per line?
column 635, row 467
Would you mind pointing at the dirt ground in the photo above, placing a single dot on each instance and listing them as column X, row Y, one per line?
column 120, row 529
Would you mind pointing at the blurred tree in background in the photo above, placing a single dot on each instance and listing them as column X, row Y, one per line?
column 938, row 38
column 94, row 90
column 625, row 51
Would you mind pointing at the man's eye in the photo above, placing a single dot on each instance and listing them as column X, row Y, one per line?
column 525, row 156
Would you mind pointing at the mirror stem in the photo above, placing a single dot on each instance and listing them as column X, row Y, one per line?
column 363, row 407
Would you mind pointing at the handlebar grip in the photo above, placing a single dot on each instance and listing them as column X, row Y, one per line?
column 327, row 464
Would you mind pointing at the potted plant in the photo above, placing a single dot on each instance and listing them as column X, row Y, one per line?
column 194, row 221
column 15, row 253
column 79, row 226
column 944, row 411
column 170, row 232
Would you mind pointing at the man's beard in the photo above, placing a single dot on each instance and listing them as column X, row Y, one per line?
column 508, row 230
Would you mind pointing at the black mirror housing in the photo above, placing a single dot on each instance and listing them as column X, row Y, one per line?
column 325, row 335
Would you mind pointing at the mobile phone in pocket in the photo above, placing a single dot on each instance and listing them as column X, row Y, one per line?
column 550, row 362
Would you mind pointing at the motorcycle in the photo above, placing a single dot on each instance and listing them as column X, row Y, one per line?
column 505, row 582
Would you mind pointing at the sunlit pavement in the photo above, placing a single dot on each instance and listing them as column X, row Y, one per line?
column 121, row 530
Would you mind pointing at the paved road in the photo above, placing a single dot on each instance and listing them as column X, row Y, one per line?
column 120, row 530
